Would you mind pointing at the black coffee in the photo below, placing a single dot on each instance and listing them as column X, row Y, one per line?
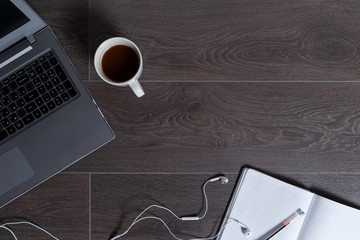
column 120, row 63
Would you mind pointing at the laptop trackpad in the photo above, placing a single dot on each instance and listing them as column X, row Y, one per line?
column 14, row 170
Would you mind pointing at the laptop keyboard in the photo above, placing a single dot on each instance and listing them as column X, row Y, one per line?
column 31, row 93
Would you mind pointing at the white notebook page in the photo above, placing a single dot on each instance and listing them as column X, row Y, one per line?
column 262, row 203
column 329, row 220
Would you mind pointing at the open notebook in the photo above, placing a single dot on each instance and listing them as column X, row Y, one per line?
column 262, row 202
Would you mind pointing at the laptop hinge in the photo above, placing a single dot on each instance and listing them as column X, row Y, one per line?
column 31, row 39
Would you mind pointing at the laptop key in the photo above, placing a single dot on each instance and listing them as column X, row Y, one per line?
column 37, row 113
column 39, row 69
column 21, row 112
column 28, row 67
column 14, row 96
column 19, row 125
column 49, row 85
column 72, row 92
column 11, row 130
column 29, row 86
column 31, row 96
column 58, row 101
column 60, row 72
column 30, row 107
column 46, row 97
column 3, row 135
column 51, row 105
column 12, row 77
column 39, row 101
column 53, row 61
column 41, row 89
column 35, row 63
column 32, row 74
column 53, row 93
column 6, row 81
column 23, row 79
column 44, row 77
column 60, row 89
column 20, row 72
column 5, row 90
column 28, row 119
column 51, row 73
column 4, row 112
column 36, row 82
column 20, row 102
column 42, row 59
column 65, row 97
column 5, row 101
column 44, row 109
column 22, row 91
column 12, row 107
column 49, row 54
column 13, row 86
column 13, row 117
column 5, row 122
column 46, row 65
column 55, row 81
column 67, row 85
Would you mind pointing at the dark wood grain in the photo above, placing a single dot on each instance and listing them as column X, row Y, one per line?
column 207, row 127
column 235, row 40
column 69, row 19
column 271, row 85
column 118, row 199
column 60, row 205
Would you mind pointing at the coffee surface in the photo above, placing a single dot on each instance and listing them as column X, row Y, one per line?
column 120, row 63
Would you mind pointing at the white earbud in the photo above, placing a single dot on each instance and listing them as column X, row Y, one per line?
column 244, row 229
column 247, row 232
column 223, row 179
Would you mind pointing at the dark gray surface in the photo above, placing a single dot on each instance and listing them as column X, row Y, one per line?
column 271, row 85
column 15, row 169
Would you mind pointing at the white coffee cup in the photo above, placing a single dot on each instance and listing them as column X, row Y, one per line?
column 134, row 81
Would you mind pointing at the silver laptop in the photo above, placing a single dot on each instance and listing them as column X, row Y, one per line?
column 48, row 120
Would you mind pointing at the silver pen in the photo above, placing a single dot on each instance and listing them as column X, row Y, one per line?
column 289, row 220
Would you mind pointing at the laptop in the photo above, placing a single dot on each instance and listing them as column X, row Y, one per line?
column 48, row 120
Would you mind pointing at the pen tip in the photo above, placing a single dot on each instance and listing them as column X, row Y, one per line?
column 300, row 212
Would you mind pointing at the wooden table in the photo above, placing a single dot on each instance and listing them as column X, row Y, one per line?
column 272, row 85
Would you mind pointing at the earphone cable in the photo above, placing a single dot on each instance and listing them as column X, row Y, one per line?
column 138, row 219
column 9, row 230
column 157, row 206
column 167, row 227
column 28, row 223
column 206, row 200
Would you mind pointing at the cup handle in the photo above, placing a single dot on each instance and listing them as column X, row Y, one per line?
column 137, row 88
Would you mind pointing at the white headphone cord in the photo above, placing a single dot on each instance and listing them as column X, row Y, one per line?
column 28, row 223
column 206, row 200
column 167, row 227
column 138, row 219
column 134, row 222
column 9, row 230
column 164, row 208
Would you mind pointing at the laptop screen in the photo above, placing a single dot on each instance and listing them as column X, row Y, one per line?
column 10, row 17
